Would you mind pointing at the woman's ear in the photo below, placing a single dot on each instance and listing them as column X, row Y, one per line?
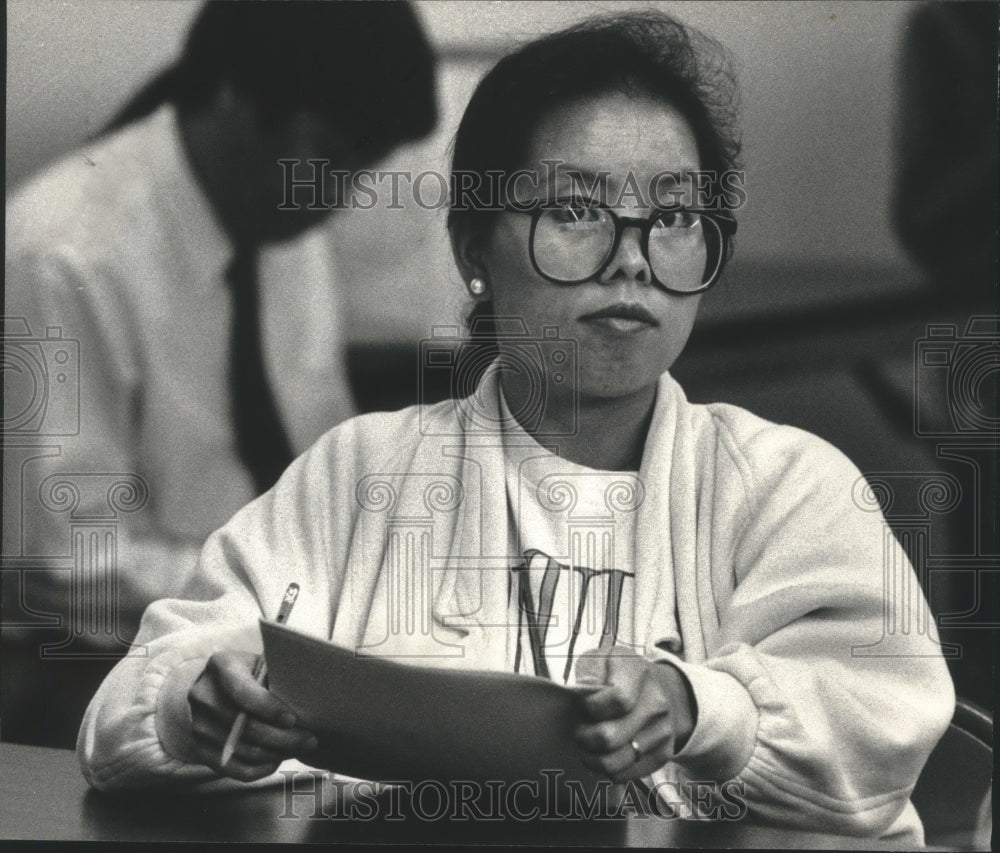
column 468, row 256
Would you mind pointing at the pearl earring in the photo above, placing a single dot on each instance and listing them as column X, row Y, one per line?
column 477, row 286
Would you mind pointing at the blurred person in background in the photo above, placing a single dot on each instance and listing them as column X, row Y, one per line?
column 183, row 258
column 945, row 205
column 945, row 209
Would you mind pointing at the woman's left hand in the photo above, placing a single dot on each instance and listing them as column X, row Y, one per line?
column 638, row 720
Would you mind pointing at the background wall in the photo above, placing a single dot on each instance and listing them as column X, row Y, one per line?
column 819, row 95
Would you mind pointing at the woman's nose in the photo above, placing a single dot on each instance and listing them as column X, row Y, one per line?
column 629, row 262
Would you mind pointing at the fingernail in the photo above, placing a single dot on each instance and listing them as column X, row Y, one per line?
column 287, row 720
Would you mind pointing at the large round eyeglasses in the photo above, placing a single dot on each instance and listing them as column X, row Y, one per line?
column 573, row 241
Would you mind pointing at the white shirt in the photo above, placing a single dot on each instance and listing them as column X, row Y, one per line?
column 117, row 247
column 575, row 539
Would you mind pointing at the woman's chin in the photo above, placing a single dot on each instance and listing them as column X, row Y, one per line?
column 607, row 387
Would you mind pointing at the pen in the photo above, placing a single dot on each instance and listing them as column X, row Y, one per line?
column 259, row 674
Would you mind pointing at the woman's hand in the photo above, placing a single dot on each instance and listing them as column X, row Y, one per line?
column 225, row 688
column 646, row 704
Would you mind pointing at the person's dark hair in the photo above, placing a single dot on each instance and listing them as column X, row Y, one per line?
column 646, row 53
column 369, row 65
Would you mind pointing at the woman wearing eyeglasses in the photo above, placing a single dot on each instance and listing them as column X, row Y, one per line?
column 717, row 577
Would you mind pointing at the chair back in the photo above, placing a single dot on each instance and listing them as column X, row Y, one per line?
column 952, row 788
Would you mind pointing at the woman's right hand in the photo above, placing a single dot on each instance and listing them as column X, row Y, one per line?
column 271, row 735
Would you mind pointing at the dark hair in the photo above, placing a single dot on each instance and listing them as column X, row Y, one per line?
column 367, row 64
column 638, row 53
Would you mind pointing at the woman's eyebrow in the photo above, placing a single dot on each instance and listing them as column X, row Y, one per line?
column 580, row 174
column 572, row 169
column 588, row 179
column 673, row 176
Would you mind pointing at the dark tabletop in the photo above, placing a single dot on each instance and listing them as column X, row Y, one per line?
column 43, row 796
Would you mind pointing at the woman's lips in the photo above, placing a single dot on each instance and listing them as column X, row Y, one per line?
column 621, row 318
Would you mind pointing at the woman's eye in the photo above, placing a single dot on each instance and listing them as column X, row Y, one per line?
column 577, row 213
column 677, row 221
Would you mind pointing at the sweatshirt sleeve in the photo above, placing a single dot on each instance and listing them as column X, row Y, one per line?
column 137, row 728
column 828, row 689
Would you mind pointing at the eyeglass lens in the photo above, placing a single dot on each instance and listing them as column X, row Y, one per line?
column 572, row 242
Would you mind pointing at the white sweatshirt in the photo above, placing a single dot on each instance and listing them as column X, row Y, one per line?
column 819, row 682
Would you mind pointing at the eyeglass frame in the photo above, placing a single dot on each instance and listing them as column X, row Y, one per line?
column 723, row 220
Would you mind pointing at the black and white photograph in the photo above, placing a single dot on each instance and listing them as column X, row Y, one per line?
column 496, row 422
